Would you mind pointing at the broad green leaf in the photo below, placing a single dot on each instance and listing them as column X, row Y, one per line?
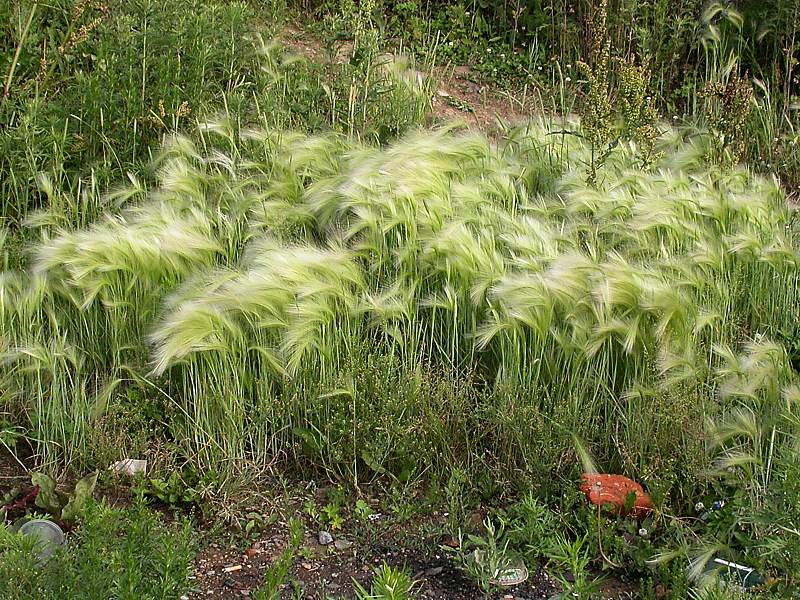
column 80, row 498
column 47, row 498
column 370, row 461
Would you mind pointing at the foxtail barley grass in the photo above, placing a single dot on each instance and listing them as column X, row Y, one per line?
column 284, row 290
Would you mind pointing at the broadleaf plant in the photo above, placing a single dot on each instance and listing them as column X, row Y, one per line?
column 68, row 507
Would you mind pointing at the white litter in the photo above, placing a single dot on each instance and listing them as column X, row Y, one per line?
column 129, row 466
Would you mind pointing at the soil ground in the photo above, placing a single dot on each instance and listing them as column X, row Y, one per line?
column 12, row 473
column 323, row 571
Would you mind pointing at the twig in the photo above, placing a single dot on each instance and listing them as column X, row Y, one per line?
column 600, row 542
column 14, row 456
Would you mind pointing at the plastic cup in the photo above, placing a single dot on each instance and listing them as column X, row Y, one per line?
column 48, row 536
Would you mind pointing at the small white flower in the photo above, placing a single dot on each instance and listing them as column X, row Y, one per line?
column 643, row 532
column 569, row 66
column 675, row 118
column 503, row 55
column 489, row 50
column 568, row 79
column 540, row 67
column 699, row 507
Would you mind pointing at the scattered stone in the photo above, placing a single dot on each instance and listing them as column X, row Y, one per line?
column 342, row 544
column 432, row 572
column 476, row 521
column 325, row 538
column 450, row 541
column 250, row 552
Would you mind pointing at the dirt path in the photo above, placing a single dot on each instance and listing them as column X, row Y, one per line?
column 458, row 95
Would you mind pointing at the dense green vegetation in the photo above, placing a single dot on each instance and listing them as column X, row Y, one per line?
column 117, row 553
column 696, row 51
column 260, row 262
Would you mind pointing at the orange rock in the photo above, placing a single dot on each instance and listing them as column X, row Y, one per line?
column 603, row 489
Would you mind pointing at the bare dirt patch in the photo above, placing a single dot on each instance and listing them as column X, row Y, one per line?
column 321, row 572
column 458, row 94
column 12, row 473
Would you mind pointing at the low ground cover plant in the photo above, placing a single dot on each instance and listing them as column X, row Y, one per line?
column 115, row 553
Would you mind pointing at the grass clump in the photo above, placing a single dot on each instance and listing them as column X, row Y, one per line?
column 268, row 268
column 307, row 280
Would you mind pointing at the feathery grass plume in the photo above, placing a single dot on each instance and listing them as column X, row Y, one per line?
column 587, row 463
column 263, row 263
column 756, row 427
